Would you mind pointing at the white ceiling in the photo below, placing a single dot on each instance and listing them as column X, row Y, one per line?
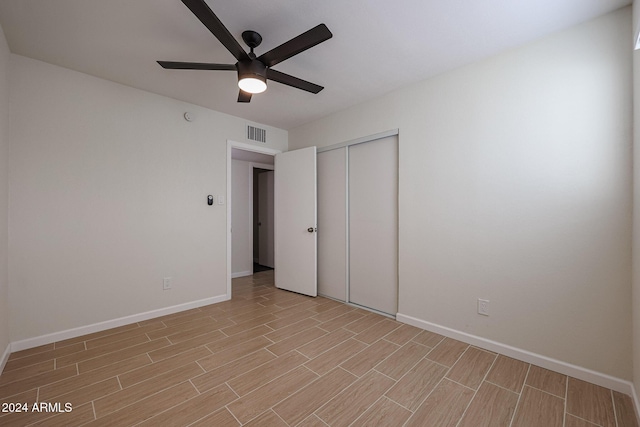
column 377, row 45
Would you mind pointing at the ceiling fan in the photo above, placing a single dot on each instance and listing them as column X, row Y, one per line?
column 253, row 71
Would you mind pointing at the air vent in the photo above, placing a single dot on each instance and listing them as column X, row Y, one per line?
column 256, row 134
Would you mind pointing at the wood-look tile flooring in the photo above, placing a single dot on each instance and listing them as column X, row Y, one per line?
column 274, row 358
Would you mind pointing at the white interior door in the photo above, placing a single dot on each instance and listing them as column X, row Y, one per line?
column 265, row 219
column 296, row 221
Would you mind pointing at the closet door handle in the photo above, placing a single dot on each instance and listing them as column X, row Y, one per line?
column 311, row 229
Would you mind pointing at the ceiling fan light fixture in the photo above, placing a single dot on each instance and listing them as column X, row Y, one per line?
column 253, row 84
column 252, row 76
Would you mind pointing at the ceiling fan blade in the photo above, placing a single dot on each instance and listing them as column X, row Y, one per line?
column 304, row 41
column 172, row 65
column 217, row 28
column 289, row 80
column 244, row 96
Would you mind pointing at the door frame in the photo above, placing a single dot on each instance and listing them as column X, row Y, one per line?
column 245, row 147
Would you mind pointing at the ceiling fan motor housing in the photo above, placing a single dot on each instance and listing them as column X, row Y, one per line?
column 252, row 69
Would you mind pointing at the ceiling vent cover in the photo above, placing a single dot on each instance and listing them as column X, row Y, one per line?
column 256, row 134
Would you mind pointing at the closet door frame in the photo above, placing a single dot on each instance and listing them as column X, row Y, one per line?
column 346, row 145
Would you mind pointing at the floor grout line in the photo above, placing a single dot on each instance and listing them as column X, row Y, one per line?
column 613, row 403
column 585, row 420
column 371, row 406
column 276, row 378
column 156, row 392
column 425, row 398
column 334, row 395
column 499, row 386
column 460, row 384
column 284, row 398
column 544, row 391
column 426, row 357
column 400, row 404
column 381, row 373
column 278, row 415
column 162, row 411
column 515, row 410
column 233, row 391
column 476, row 392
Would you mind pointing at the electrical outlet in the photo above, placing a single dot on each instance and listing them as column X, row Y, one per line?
column 166, row 283
column 483, row 306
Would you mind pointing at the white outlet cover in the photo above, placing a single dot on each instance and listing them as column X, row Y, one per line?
column 483, row 306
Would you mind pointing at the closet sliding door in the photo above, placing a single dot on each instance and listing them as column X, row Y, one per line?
column 373, row 224
column 332, row 223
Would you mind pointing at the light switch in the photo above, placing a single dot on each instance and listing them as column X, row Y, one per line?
column 221, row 200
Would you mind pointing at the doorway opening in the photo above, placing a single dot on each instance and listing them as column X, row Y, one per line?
column 263, row 225
column 249, row 228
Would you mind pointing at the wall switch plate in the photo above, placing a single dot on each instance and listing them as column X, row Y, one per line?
column 221, row 200
column 166, row 283
column 483, row 306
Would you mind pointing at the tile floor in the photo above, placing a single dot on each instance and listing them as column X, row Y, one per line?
column 274, row 358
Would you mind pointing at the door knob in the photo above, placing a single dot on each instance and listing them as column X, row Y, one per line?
column 310, row 229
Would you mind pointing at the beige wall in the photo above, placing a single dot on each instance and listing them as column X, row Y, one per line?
column 4, row 199
column 636, row 202
column 108, row 188
column 515, row 186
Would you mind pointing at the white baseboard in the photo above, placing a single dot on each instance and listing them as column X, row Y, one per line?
column 5, row 357
column 241, row 274
column 565, row 368
column 114, row 323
